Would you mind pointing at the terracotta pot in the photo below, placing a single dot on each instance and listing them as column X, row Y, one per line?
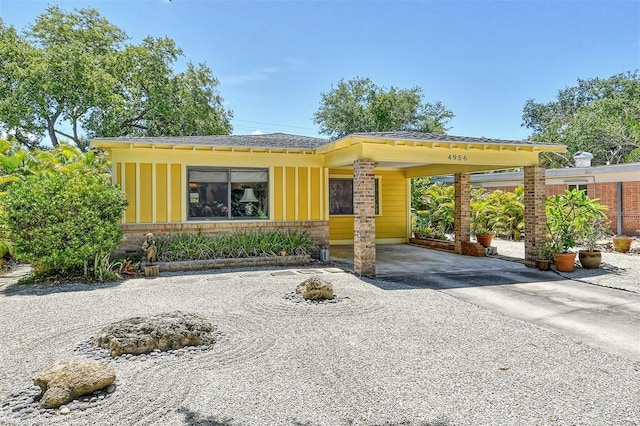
column 484, row 239
column 543, row 264
column 622, row 244
column 590, row 259
column 564, row 261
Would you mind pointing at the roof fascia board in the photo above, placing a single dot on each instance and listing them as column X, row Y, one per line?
column 444, row 169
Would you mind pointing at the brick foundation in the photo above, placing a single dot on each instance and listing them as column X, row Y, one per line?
column 134, row 233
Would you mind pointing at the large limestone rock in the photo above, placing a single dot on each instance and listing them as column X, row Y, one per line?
column 168, row 331
column 315, row 288
column 67, row 380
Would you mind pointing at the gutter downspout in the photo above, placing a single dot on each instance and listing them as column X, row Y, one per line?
column 619, row 207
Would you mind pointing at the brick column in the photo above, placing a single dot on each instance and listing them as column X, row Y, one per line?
column 462, row 215
column 364, row 223
column 535, row 220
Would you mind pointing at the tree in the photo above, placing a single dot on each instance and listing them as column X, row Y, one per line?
column 598, row 116
column 359, row 105
column 72, row 75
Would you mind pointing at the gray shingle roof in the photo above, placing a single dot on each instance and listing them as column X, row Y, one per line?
column 272, row 140
column 432, row 137
column 288, row 141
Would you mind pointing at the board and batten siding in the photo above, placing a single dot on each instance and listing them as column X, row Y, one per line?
column 156, row 190
column 391, row 223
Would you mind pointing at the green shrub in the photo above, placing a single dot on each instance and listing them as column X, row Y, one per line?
column 63, row 223
column 253, row 243
column 570, row 217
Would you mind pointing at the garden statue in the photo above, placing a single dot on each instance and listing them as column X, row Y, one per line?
column 149, row 246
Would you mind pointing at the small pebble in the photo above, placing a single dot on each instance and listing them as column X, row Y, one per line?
column 64, row 411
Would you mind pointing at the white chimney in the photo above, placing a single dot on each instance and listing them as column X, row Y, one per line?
column 583, row 159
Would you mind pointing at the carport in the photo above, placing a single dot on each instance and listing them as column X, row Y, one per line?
column 426, row 155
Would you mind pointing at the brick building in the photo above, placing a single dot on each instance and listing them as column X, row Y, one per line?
column 617, row 187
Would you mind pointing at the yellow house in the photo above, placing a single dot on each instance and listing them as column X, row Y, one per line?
column 355, row 190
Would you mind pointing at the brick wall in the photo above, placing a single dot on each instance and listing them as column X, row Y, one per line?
column 462, row 216
column 364, row 223
column 607, row 193
column 534, row 212
column 134, row 233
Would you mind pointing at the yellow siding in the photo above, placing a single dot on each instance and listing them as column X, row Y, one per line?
column 177, row 196
column 291, row 193
column 118, row 167
column 161, row 193
column 303, row 194
column 392, row 222
column 156, row 188
column 341, row 227
column 316, row 194
column 130, row 192
column 277, row 193
column 146, row 193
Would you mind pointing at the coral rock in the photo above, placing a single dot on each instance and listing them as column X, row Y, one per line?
column 315, row 288
column 140, row 335
column 67, row 380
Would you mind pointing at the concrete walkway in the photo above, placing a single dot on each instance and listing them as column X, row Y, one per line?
column 598, row 316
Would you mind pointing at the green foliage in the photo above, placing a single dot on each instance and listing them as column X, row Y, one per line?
column 600, row 116
column 419, row 187
column 570, row 217
column 500, row 213
column 73, row 70
column 64, row 222
column 254, row 243
column 434, row 219
column 359, row 105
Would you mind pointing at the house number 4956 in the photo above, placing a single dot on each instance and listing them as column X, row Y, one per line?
column 457, row 157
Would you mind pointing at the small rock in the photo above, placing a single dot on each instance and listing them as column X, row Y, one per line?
column 64, row 411
column 111, row 388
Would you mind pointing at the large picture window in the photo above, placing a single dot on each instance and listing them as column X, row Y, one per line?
column 220, row 193
column 341, row 196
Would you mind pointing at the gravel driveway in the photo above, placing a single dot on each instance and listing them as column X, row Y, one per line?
column 386, row 355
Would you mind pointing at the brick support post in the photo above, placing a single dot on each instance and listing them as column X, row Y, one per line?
column 462, row 216
column 364, row 223
column 534, row 213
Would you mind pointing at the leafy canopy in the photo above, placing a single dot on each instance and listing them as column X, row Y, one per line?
column 359, row 105
column 73, row 75
column 600, row 116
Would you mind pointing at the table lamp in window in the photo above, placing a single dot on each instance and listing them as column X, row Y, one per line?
column 248, row 198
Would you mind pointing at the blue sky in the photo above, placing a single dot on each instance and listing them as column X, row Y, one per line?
column 482, row 59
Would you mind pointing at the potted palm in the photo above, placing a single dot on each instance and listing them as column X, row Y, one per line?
column 483, row 221
column 596, row 229
column 568, row 218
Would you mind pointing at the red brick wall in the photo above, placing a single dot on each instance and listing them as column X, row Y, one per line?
column 134, row 233
column 607, row 193
column 631, row 208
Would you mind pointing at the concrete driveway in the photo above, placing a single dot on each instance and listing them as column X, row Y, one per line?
column 598, row 316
